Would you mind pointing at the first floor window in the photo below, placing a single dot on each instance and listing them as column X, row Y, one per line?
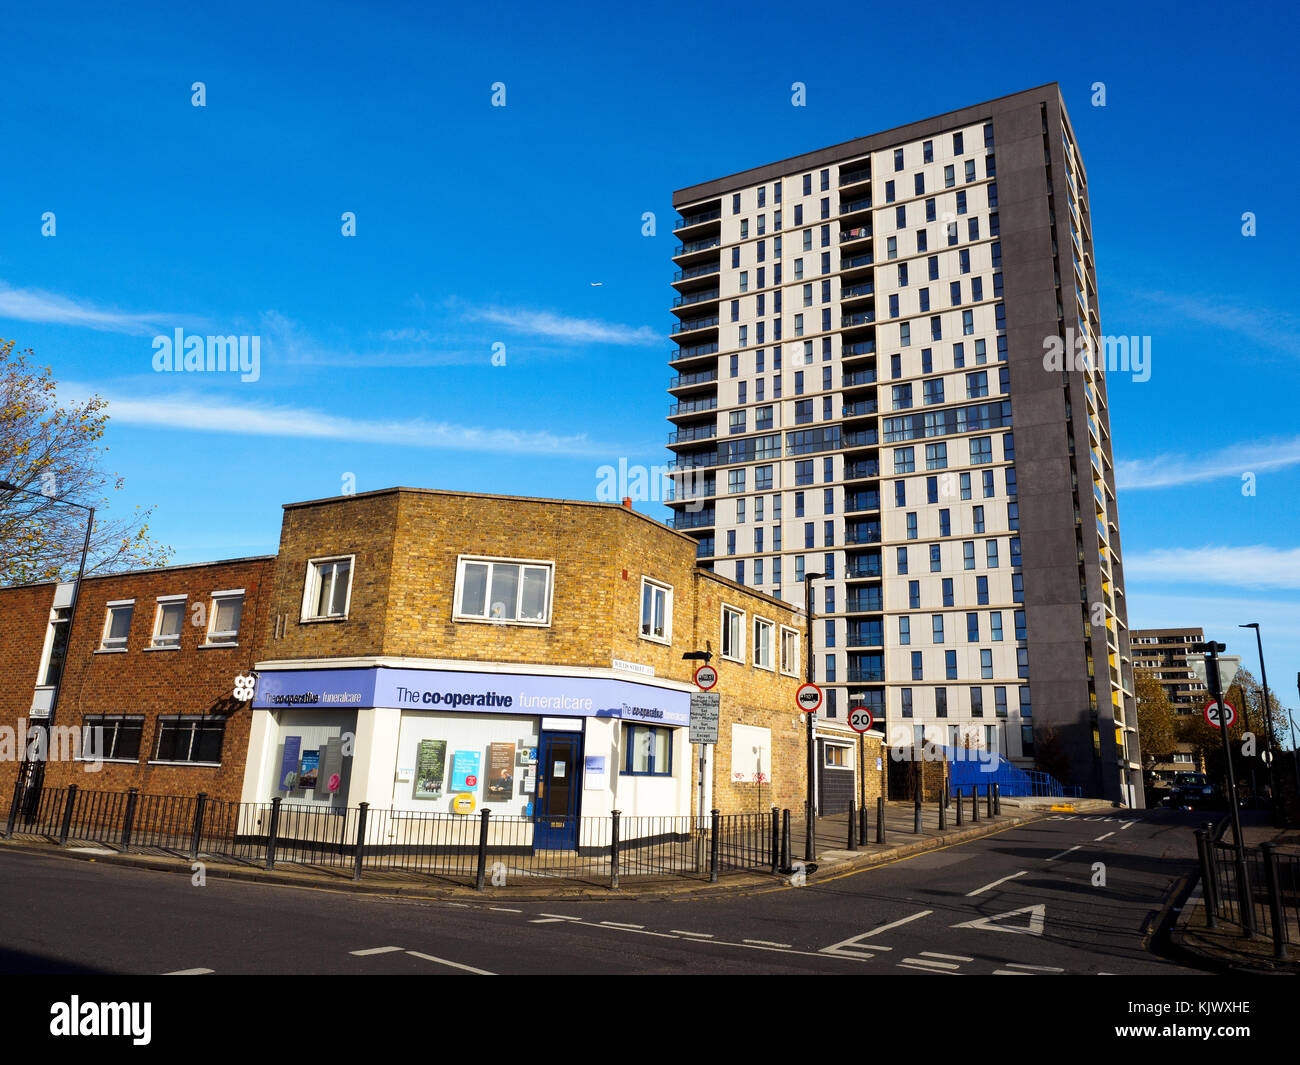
column 112, row 736
column 329, row 584
column 789, row 651
column 656, row 610
column 190, row 739
column 504, row 591
column 649, row 751
column 762, row 643
column 117, row 625
column 167, row 627
column 227, row 610
column 733, row 634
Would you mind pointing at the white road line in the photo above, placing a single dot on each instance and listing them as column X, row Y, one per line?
column 561, row 917
column 189, row 972
column 1126, row 824
column 895, row 924
column 986, row 887
column 946, row 957
column 1008, row 972
column 1106, row 836
column 928, row 963
column 373, row 950
column 504, row 909
column 1034, row 968
column 621, row 924
column 766, row 943
column 453, row 964
column 701, row 935
column 924, row 969
column 547, row 920
column 1064, row 852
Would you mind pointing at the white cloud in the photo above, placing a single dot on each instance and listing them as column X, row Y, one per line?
column 198, row 413
column 574, row 330
column 1259, row 566
column 34, row 305
column 1163, row 471
column 289, row 344
column 1275, row 329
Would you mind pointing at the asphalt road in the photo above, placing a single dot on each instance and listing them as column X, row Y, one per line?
column 1030, row 900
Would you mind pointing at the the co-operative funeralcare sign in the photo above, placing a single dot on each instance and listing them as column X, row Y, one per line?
column 491, row 693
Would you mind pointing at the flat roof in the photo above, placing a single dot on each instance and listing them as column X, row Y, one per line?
column 144, row 569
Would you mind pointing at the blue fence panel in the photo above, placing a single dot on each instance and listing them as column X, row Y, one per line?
column 979, row 768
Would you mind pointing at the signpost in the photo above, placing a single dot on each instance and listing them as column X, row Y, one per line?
column 706, row 677
column 808, row 698
column 704, row 717
column 1215, row 717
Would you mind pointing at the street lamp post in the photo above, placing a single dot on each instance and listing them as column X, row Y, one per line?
column 810, row 821
column 1268, row 720
column 32, row 773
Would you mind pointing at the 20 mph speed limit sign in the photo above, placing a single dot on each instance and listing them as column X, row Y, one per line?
column 860, row 718
column 808, row 698
column 1215, row 717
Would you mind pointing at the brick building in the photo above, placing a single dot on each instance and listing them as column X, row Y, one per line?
column 152, row 662
column 428, row 651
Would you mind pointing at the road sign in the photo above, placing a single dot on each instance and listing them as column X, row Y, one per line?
column 704, row 717
column 1212, row 714
column 706, row 677
column 860, row 718
column 808, row 698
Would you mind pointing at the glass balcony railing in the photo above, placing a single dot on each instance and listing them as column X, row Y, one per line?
column 868, row 533
column 690, row 406
column 701, row 378
column 860, row 409
column 866, row 675
column 695, row 297
column 862, row 501
column 697, row 245
column 866, row 566
column 695, row 323
column 861, row 204
column 861, row 318
column 696, row 271
column 865, row 636
column 862, row 347
column 852, row 262
column 699, row 349
column 860, row 377
column 853, row 291
column 696, row 219
column 687, row 520
column 867, row 601
column 861, row 438
column 693, row 461
column 856, row 470
column 852, row 177
column 854, row 233
column 695, row 432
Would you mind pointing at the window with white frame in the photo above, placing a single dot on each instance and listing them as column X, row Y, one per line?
column 112, row 737
column 55, row 652
column 733, row 634
column 190, row 738
column 763, row 643
column 656, row 610
column 329, row 588
column 503, row 590
column 167, row 623
column 789, row 652
column 117, row 625
column 223, row 621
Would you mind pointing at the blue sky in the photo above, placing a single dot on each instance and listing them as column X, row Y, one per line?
column 481, row 225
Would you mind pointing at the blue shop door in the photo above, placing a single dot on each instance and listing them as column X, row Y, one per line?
column 559, row 787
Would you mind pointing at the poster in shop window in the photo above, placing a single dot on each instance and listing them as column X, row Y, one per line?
column 331, row 767
column 289, row 763
column 465, row 770
column 501, row 772
column 310, row 770
column 430, row 766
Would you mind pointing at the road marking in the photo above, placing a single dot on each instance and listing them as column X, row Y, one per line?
column 928, row 963
column 1126, row 824
column 946, row 957
column 548, row 920
column 986, row 887
column 1008, row 972
column 561, row 917
column 189, row 972
column 504, row 909
column 621, row 924
column 1106, row 836
column 1037, row 915
column 1034, row 968
column 453, row 964
column 887, row 927
column 701, row 935
column 373, row 950
column 924, row 969
column 1064, row 852
column 765, row 943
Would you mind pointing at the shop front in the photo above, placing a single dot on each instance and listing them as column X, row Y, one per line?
column 552, row 748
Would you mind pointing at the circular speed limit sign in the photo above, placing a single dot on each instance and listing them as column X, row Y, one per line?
column 808, row 697
column 1213, row 714
column 860, row 718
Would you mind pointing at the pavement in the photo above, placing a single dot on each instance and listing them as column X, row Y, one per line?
column 832, row 856
column 1063, row 894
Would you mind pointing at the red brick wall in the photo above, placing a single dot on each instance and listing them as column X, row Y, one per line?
column 150, row 683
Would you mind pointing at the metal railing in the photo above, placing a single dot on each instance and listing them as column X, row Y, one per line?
column 1255, row 888
column 478, row 849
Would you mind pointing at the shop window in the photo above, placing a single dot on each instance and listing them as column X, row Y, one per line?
column 117, row 625
column 112, row 737
column 656, row 610
column 223, row 622
column 167, row 624
column 329, row 588
column 733, row 634
column 191, row 739
column 649, row 751
column 503, row 590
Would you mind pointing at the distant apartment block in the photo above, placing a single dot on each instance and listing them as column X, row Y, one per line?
column 859, row 390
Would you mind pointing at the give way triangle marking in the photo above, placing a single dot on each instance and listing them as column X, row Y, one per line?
column 1037, row 914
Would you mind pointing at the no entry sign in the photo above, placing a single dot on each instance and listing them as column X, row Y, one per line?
column 808, row 698
column 860, row 718
column 706, row 677
column 1214, row 717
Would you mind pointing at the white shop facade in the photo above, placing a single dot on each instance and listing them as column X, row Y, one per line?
column 455, row 738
